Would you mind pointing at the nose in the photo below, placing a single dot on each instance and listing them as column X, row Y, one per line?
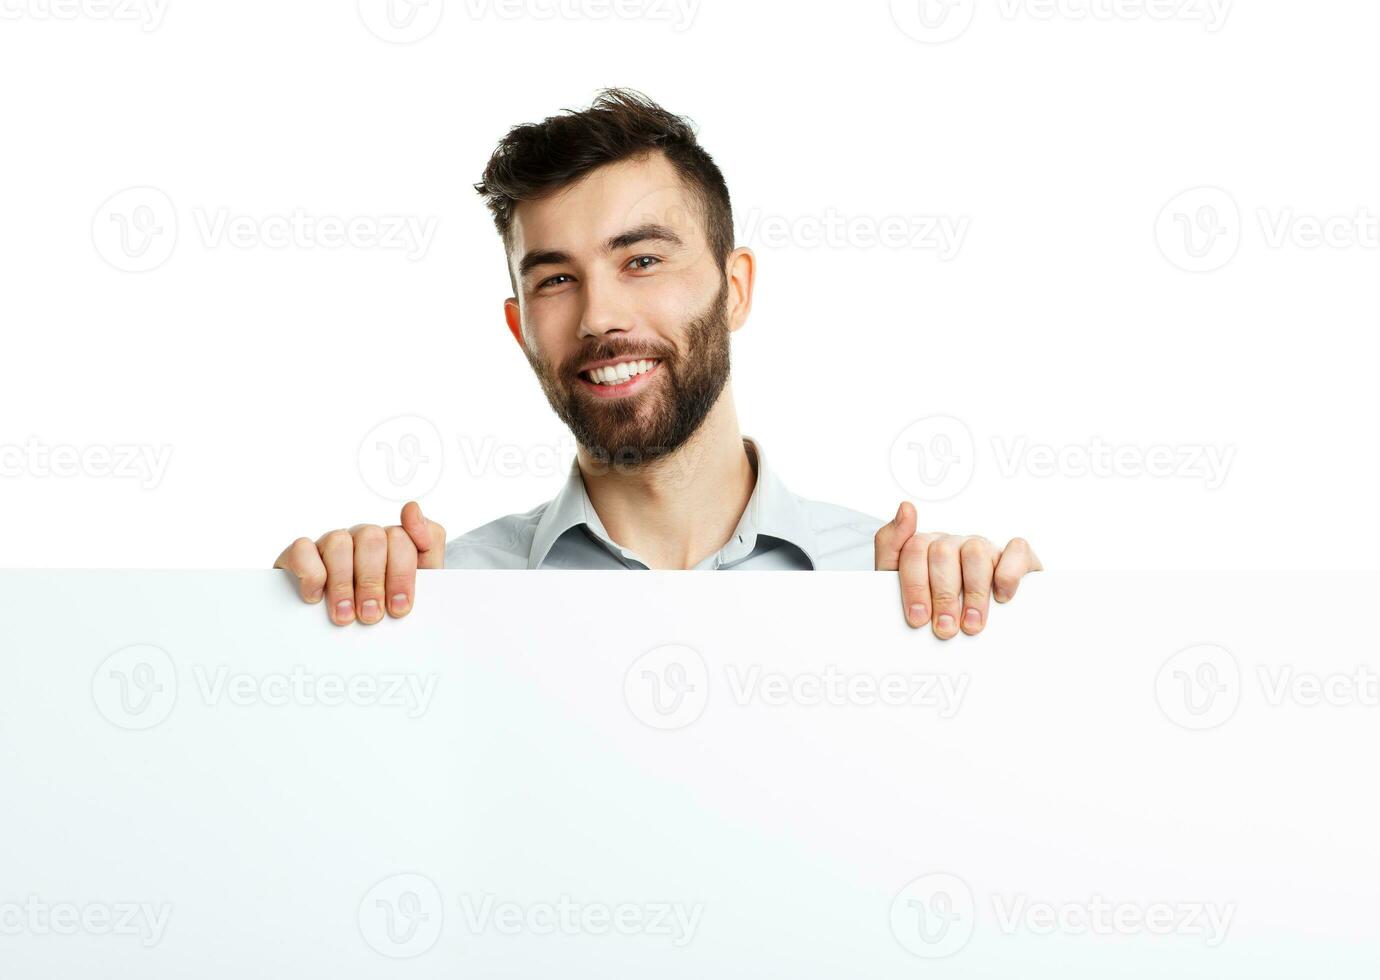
column 606, row 309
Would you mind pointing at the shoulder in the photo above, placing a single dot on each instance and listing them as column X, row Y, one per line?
column 505, row 542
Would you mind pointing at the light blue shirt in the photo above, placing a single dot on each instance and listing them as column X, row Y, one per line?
column 778, row 531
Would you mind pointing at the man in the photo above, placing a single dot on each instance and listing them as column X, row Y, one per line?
column 626, row 285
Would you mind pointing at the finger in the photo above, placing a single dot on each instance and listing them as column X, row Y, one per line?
column 977, row 558
column 303, row 560
column 915, row 579
column 892, row 537
column 371, row 566
column 401, row 581
column 428, row 536
column 337, row 550
column 1016, row 561
column 946, row 583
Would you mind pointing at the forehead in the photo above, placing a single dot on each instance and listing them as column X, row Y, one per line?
column 605, row 202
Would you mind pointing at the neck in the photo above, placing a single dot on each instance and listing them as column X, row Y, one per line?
column 675, row 512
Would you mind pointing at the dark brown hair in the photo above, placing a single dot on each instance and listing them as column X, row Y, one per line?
column 536, row 159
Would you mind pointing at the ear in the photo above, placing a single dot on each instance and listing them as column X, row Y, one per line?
column 514, row 317
column 741, row 271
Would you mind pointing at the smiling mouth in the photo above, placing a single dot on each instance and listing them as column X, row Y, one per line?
column 615, row 375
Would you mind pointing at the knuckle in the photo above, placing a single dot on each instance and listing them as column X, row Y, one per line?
column 369, row 536
column 944, row 597
column 399, row 538
column 335, row 540
column 943, row 550
column 369, row 585
column 974, row 547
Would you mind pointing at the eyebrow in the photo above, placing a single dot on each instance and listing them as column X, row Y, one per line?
column 650, row 232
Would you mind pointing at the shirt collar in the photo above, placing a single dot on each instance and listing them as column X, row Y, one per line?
column 772, row 510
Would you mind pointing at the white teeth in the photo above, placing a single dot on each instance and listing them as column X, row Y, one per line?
column 619, row 373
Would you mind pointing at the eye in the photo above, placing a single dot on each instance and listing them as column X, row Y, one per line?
column 641, row 258
column 545, row 282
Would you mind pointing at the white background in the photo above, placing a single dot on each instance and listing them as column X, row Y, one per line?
column 1055, row 133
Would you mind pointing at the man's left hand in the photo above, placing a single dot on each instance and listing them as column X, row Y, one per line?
column 948, row 579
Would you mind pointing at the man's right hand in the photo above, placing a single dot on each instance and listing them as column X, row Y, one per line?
column 354, row 570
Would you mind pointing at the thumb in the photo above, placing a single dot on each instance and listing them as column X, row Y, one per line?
column 428, row 536
column 892, row 537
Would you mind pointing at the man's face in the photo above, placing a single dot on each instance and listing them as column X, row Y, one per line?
column 617, row 268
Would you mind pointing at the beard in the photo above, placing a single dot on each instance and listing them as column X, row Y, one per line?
column 636, row 430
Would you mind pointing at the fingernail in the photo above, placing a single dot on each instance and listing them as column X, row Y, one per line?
column 369, row 611
column 918, row 614
column 899, row 511
column 972, row 619
column 399, row 602
column 315, row 596
column 344, row 610
column 945, row 623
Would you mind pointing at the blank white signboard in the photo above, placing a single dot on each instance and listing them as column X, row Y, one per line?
column 585, row 774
